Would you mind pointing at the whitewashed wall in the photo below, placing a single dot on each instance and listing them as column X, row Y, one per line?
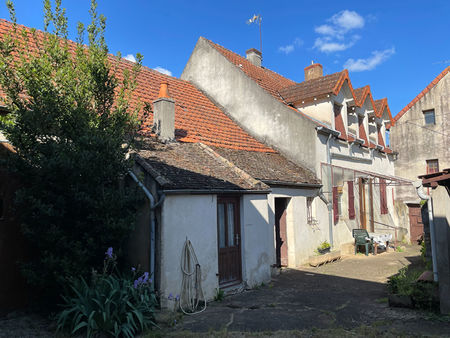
column 195, row 217
column 302, row 238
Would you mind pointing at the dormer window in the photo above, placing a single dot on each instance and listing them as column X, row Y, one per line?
column 429, row 116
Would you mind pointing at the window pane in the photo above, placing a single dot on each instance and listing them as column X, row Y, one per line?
column 429, row 116
column 432, row 166
column 230, row 215
column 221, row 220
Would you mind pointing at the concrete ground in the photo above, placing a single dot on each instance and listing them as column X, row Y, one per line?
column 345, row 296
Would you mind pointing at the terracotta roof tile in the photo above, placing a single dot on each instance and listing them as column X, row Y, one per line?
column 197, row 119
column 422, row 93
column 313, row 88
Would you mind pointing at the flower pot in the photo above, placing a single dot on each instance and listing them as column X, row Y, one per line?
column 324, row 251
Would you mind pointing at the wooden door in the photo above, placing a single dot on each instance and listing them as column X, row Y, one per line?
column 362, row 203
column 415, row 222
column 229, row 240
column 281, row 232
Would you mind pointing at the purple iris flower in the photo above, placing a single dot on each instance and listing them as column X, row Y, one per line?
column 145, row 277
column 133, row 269
column 109, row 252
column 177, row 297
column 170, row 296
column 136, row 284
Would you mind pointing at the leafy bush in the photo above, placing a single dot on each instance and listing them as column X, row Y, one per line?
column 109, row 304
column 71, row 133
column 424, row 294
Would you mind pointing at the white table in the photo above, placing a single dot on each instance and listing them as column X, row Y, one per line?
column 380, row 239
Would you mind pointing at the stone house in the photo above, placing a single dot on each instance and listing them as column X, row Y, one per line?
column 321, row 123
column 420, row 135
column 208, row 180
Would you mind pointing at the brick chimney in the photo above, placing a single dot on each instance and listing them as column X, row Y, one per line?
column 164, row 114
column 254, row 56
column 314, row 71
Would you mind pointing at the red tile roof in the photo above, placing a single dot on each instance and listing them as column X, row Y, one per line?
column 197, row 119
column 380, row 105
column 288, row 91
column 318, row 87
column 422, row 93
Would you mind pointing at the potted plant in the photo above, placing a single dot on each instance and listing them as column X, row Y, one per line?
column 324, row 247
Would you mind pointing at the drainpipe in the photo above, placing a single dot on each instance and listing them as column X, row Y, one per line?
column 329, row 204
column 422, row 195
column 152, row 206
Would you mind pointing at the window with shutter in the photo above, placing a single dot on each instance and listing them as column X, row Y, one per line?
column 351, row 200
column 335, row 204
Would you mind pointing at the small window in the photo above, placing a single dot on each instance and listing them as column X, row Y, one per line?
column 432, row 166
column 311, row 212
column 429, row 116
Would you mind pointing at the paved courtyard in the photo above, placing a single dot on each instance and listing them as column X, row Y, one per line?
column 344, row 295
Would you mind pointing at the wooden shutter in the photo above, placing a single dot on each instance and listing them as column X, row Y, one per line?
column 335, row 204
column 351, row 200
column 383, row 200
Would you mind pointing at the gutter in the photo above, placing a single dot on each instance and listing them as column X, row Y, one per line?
column 293, row 184
column 328, row 131
column 152, row 206
column 214, row 191
column 419, row 189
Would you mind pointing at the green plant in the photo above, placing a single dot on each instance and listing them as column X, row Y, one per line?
column 399, row 249
column 402, row 282
column 324, row 245
column 109, row 304
column 220, row 295
column 71, row 125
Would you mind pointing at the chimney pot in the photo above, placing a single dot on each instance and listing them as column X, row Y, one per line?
column 254, row 56
column 314, row 71
column 164, row 115
column 164, row 90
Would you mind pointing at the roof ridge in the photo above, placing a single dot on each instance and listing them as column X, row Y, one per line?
column 422, row 93
column 241, row 173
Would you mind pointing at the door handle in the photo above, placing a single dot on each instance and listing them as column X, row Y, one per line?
column 236, row 238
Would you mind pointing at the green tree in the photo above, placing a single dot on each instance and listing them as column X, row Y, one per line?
column 71, row 124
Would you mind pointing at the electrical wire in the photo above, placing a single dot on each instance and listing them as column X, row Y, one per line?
column 191, row 297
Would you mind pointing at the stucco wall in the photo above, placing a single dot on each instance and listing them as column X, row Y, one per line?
column 441, row 203
column 302, row 238
column 257, row 240
column 252, row 107
column 417, row 142
column 195, row 217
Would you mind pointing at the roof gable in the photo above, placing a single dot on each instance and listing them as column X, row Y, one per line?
column 421, row 94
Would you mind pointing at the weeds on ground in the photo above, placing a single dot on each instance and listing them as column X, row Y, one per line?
column 219, row 296
column 424, row 294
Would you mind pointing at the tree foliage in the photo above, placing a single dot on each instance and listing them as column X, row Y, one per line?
column 71, row 124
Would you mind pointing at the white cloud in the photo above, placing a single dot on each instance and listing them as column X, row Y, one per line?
column 328, row 45
column 371, row 62
column 347, row 20
column 291, row 47
column 163, row 70
column 334, row 34
column 130, row 57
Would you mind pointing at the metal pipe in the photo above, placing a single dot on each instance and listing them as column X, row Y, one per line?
column 329, row 204
column 152, row 206
column 419, row 188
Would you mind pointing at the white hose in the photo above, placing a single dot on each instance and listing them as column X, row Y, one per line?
column 191, row 295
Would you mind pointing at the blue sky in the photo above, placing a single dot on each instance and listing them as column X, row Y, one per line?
column 397, row 47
